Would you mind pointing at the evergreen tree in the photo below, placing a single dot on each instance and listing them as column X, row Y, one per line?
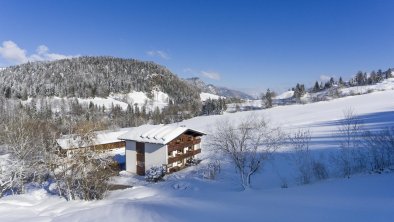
column 299, row 91
column 267, row 99
column 316, row 87
column 340, row 82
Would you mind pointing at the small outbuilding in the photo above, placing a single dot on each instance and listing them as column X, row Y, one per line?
column 160, row 145
column 102, row 141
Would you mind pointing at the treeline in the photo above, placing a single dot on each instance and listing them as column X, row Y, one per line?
column 360, row 79
column 113, row 117
column 214, row 106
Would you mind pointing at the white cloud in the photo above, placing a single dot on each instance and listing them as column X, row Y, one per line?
column 42, row 49
column 158, row 53
column 210, row 75
column 13, row 54
column 325, row 78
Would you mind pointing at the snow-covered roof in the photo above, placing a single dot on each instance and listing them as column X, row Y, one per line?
column 102, row 137
column 160, row 134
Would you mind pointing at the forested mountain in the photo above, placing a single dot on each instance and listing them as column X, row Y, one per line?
column 85, row 77
column 220, row 91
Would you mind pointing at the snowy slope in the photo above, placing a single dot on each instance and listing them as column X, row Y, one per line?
column 107, row 102
column 185, row 196
column 387, row 84
column 205, row 96
column 159, row 99
column 285, row 95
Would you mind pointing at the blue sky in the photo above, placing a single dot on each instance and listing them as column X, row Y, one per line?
column 248, row 45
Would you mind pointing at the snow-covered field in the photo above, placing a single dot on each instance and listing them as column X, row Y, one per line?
column 205, row 96
column 361, row 198
column 285, row 95
column 186, row 196
column 159, row 99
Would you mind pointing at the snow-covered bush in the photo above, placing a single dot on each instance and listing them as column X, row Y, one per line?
column 27, row 143
column 380, row 146
column 351, row 157
column 155, row 174
column 6, row 176
column 83, row 176
column 193, row 162
column 284, row 184
column 308, row 167
column 319, row 170
column 181, row 186
column 212, row 170
column 302, row 155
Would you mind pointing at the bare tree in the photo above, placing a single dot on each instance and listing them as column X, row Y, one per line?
column 18, row 137
column 380, row 146
column 85, row 173
column 306, row 164
column 249, row 144
column 301, row 154
column 27, row 142
column 351, row 157
column 7, row 175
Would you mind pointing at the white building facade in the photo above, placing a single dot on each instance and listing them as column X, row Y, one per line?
column 161, row 145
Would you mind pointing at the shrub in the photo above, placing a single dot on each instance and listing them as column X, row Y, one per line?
column 155, row 174
column 212, row 170
column 319, row 170
column 193, row 162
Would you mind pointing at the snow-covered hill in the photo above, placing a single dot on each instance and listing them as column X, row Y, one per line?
column 186, row 196
column 286, row 98
column 285, row 95
column 387, row 84
column 159, row 99
column 94, row 77
column 205, row 96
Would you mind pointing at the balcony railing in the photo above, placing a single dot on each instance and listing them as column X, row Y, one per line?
column 173, row 147
column 179, row 157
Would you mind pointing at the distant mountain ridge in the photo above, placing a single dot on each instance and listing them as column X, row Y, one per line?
column 220, row 91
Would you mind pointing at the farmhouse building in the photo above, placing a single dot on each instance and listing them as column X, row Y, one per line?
column 102, row 141
column 161, row 145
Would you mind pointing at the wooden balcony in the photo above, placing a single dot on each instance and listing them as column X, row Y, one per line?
column 178, row 146
column 179, row 157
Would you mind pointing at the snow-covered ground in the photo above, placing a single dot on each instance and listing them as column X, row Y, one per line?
column 285, row 95
column 361, row 198
column 387, row 84
column 205, row 96
column 159, row 99
column 186, row 196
